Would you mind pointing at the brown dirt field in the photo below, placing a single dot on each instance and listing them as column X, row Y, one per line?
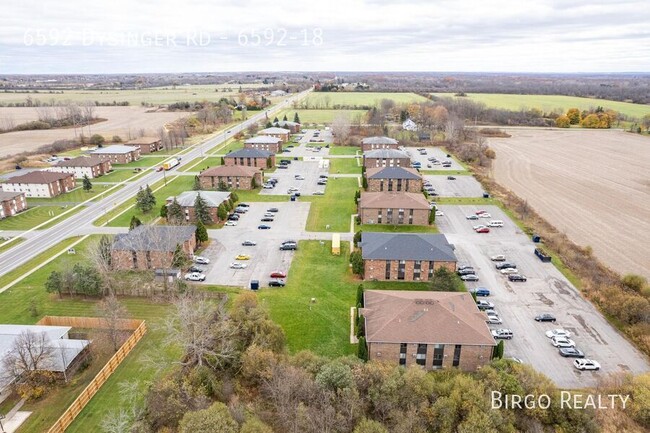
column 592, row 185
column 122, row 121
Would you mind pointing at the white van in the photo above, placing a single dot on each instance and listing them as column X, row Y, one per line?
column 495, row 223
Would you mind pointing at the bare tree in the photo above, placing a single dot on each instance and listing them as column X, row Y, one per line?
column 341, row 128
column 88, row 110
column 117, row 421
column 30, row 351
column 113, row 312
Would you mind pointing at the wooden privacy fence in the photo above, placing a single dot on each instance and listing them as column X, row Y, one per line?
column 87, row 394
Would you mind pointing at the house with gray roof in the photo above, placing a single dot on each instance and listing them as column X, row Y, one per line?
column 405, row 256
column 118, row 153
column 250, row 157
column 372, row 143
column 151, row 247
column 264, row 142
column 398, row 179
column 274, row 131
column 212, row 201
column 386, row 158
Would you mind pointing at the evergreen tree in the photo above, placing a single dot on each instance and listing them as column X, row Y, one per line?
column 296, row 118
column 134, row 222
column 175, row 213
column 144, row 199
column 222, row 186
column 201, row 210
column 432, row 215
column 269, row 163
column 201, row 232
column 179, row 259
column 360, row 295
column 151, row 199
column 284, row 119
column 362, row 350
column 54, row 283
column 275, row 120
column 222, row 213
column 163, row 211
column 87, row 280
column 234, row 197
column 357, row 262
column 87, row 185
column 498, row 350
column 197, row 184
column 364, row 183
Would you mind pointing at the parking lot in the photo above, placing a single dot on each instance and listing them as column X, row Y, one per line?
column 462, row 186
column 304, row 146
column 266, row 257
column 546, row 291
column 432, row 152
column 310, row 170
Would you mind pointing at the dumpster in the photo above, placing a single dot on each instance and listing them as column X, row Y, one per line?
column 255, row 284
column 486, row 195
column 537, row 239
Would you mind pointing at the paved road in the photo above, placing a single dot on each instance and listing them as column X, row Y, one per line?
column 76, row 224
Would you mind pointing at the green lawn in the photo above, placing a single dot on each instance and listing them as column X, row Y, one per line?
column 335, row 207
column 199, row 164
column 34, row 216
column 396, row 228
column 549, row 103
column 77, row 195
column 320, row 117
column 345, row 165
column 118, row 175
column 344, row 150
column 325, row 100
column 229, row 146
column 144, row 162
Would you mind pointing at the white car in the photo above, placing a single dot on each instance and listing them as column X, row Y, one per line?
column 299, row 177
column 485, row 215
column 562, row 342
column 558, row 332
column 502, row 333
column 480, row 226
column 491, row 313
column 292, row 190
column 586, row 364
column 230, row 223
column 201, row 260
column 494, row 320
column 267, row 186
column 195, row 276
column 507, row 271
column 498, row 258
column 440, row 213
column 238, row 266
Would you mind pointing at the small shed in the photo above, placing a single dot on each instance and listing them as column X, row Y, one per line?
column 167, row 274
column 336, row 244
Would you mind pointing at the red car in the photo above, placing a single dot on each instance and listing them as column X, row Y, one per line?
column 278, row 274
column 479, row 212
column 483, row 230
column 159, row 168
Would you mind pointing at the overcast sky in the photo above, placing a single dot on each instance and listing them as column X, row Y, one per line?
column 123, row 36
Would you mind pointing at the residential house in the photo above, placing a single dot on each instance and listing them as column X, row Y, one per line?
column 405, row 256
column 274, row 131
column 119, row 153
column 293, row 127
column 434, row 330
column 408, row 208
column 264, row 142
column 409, row 125
column 91, row 166
column 372, row 143
column 40, row 184
column 250, row 158
column 390, row 179
column 212, row 200
column 385, row 158
column 146, row 144
column 231, row 177
column 151, row 247
column 11, row 203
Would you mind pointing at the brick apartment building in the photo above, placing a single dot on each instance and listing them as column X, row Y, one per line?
column 11, row 203
column 118, row 153
column 250, row 158
column 212, row 200
column 389, row 179
column 91, row 166
column 372, row 143
column 264, row 142
column 293, row 127
column 405, row 256
column 385, row 158
column 233, row 177
column 406, row 208
column 146, row 144
column 434, row 330
column 40, row 183
column 274, row 131
column 151, row 247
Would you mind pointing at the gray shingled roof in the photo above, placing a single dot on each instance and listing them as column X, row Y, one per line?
column 6, row 195
column 385, row 153
column 392, row 173
column 249, row 153
column 82, row 161
column 212, row 198
column 378, row 140
column 406, row 246
column 153, row 238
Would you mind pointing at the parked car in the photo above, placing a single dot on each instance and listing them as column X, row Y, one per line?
column 558, row 332
column 233, row 217
column 230, row 223
column 498, row 258
column 283, row 166
column 240, row 210
column 472, row 217
column 502, row 333
column 201, row 260
column 469, row 277
column 249, row 243
column 243, row 205
column 273, row 209
column 485, row 215
column 483, row 230
column 571, row 352
column 440, row 213
column 495, row 223
column 288, row 247
column 278, row 274
column 195, row 276
column 586, row 364
column 321, row 182
column 267, row 219
column 506, row 271
column 323, row 176
column 517, row 278
column 494, row 320
column 193, row 268
column 451, row 178
column 479, row 212
column 461, row 267
column 268, row 186
column 263, row 227
column 491, row 313
column 479, row 226
column 484, row 305
column 238, row 266
column 562, row 342
column 480, row 291
column 505, row 265
column 299, row 177
column 276, row 283
column 546, row 317
column 466, row 271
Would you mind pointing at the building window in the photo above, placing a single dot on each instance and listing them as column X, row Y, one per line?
column 381, row 185
column 410, row 216
column 134, row 258
column 416, row 269
column 400, row 216
column 401, row 269
column 387, row 276
column 438, row 355
column 402, row 353
column 379, row 217
column 148, row 256
column 421, row 356
column 399, row 185
column 390, row 185
column 456, row 355
column 430, row 270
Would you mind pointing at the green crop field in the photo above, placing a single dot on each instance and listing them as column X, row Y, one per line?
column 320, row 116
column 549, row 103
column 326, row 100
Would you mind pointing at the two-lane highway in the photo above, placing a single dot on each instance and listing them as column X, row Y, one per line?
column 72, row 226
